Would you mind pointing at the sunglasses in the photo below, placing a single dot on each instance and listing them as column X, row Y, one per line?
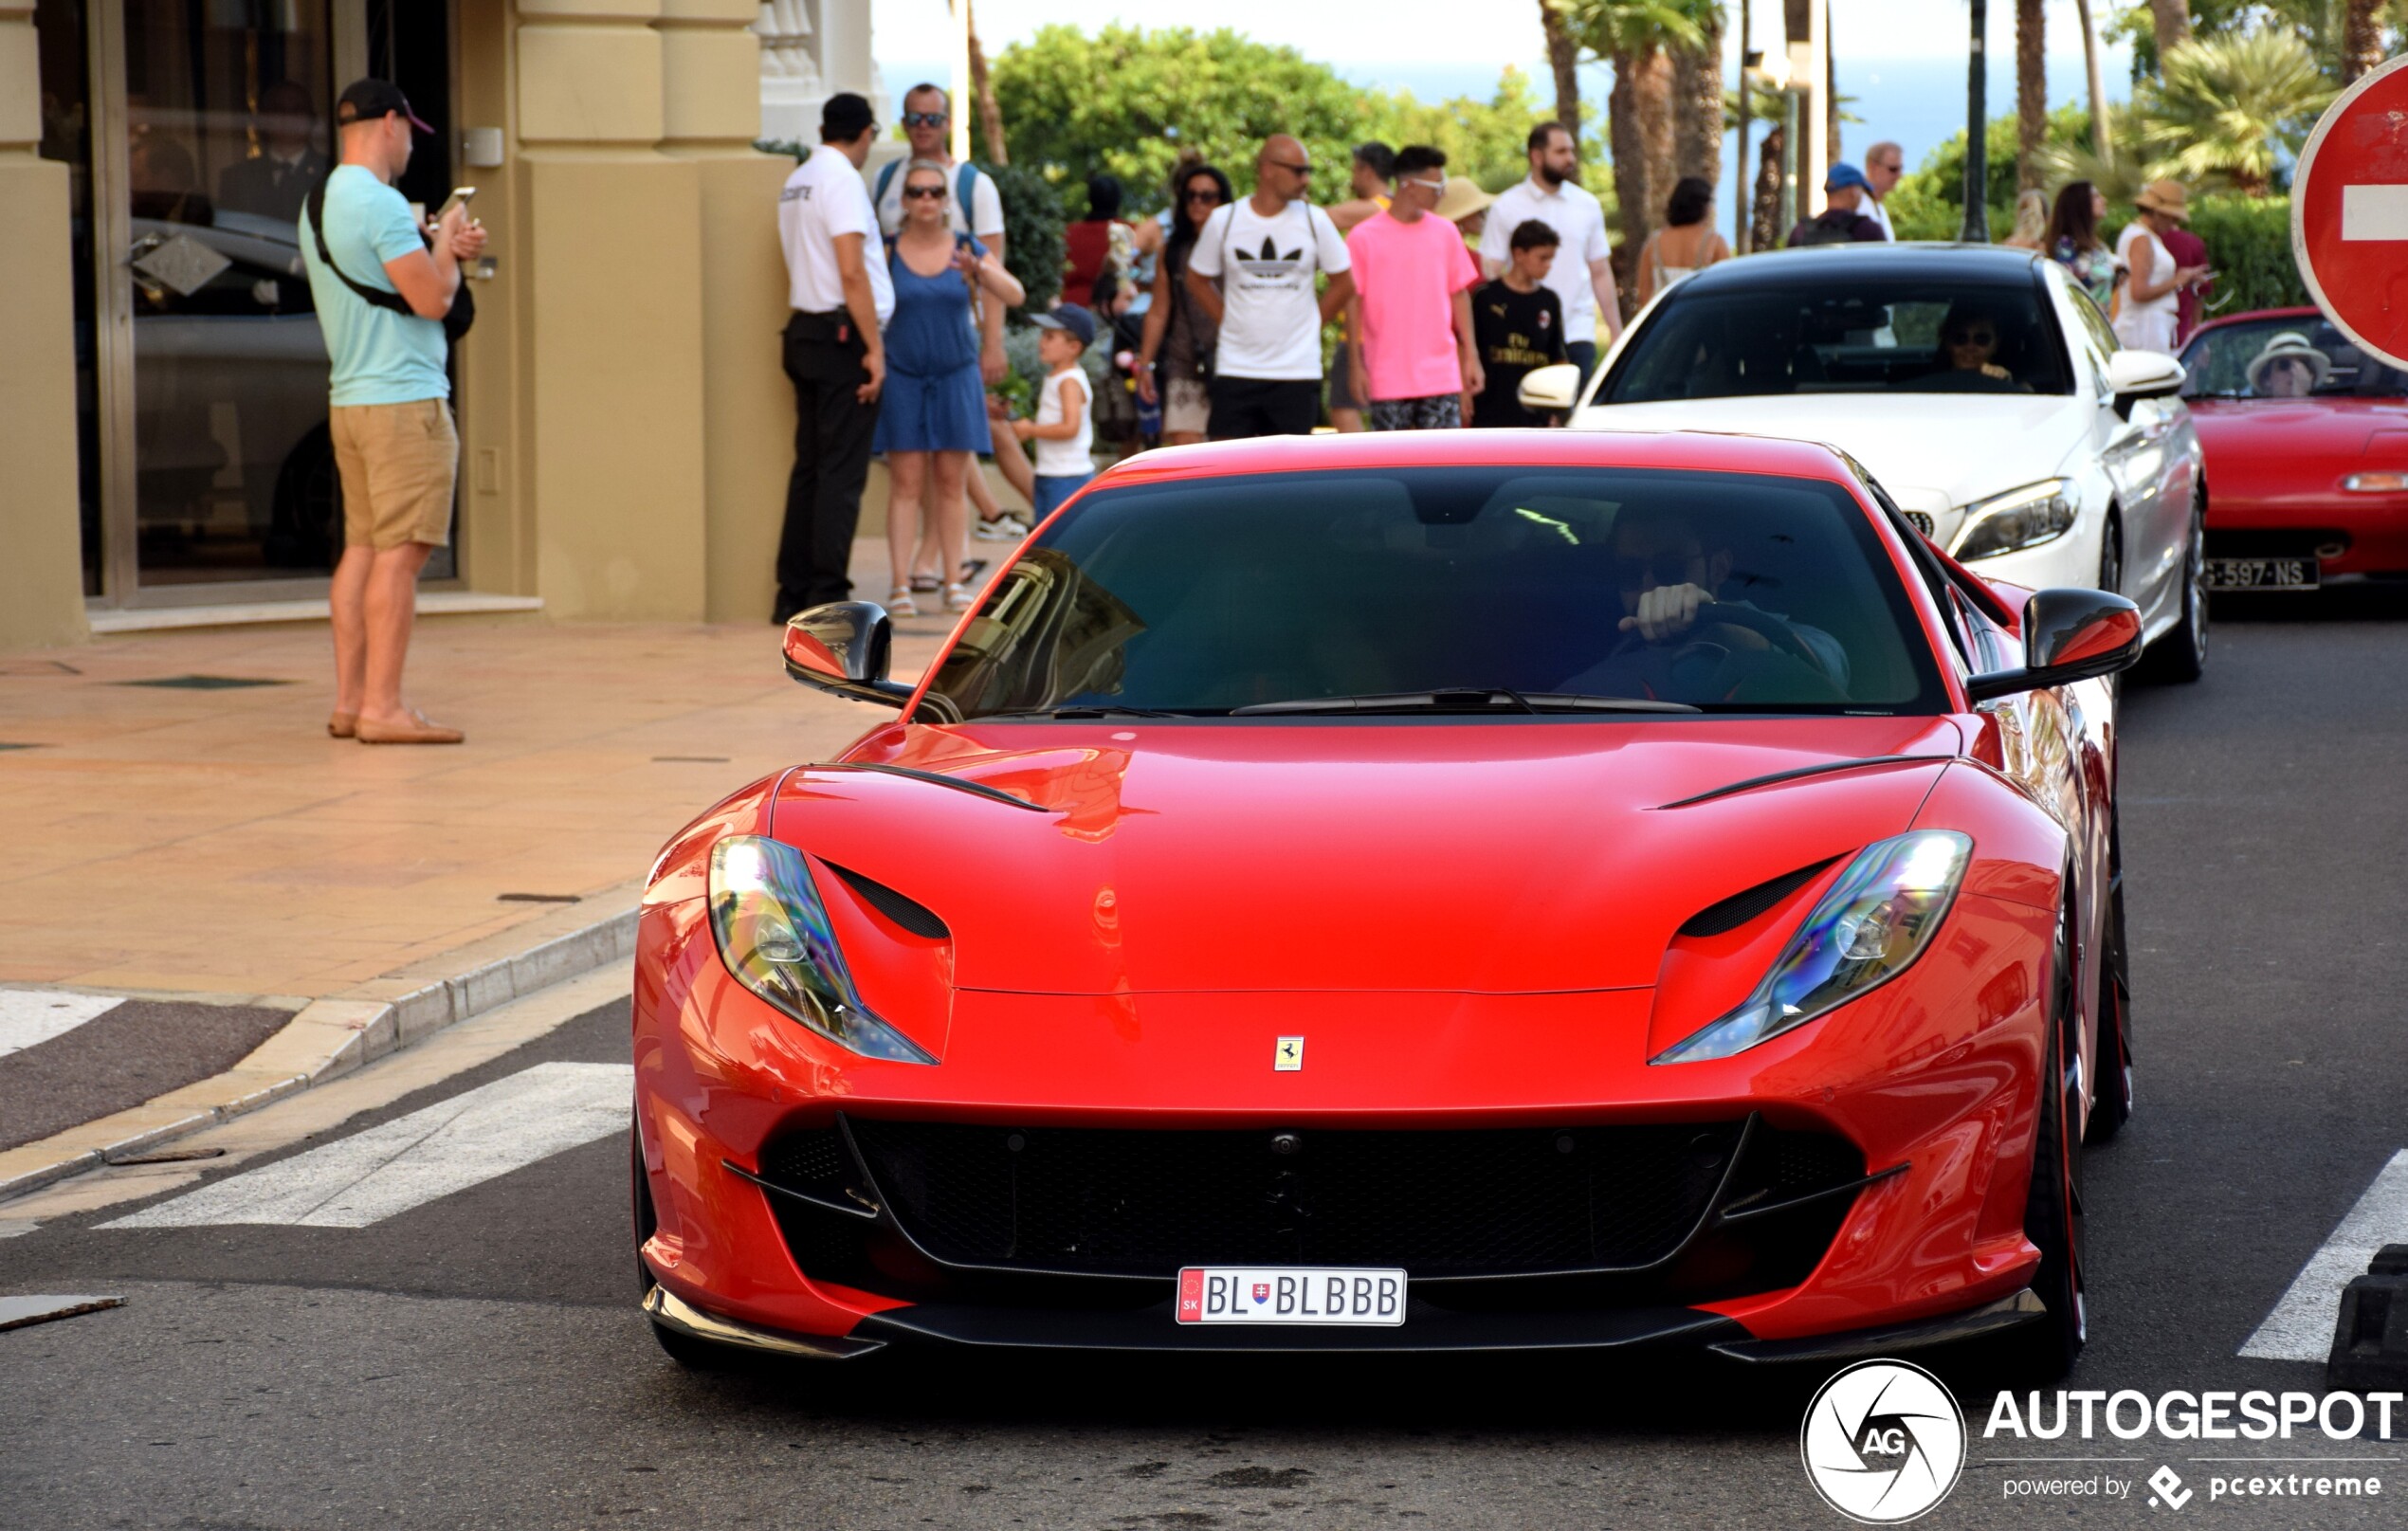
column 1663, row 569
column 1292, row 170
column 933, row 193
column 927, row 119
column 1205, row 193
column 1439, row 185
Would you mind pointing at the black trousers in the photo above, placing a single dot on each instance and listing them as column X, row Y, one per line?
column 1245, row 407
column 833, row 431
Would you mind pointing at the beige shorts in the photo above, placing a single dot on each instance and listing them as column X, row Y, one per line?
column 398, row 463
column 1187, row 407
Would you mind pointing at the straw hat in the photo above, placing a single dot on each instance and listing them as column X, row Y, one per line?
column 1461, row 199
column 2288, row 346
column 2168, row 198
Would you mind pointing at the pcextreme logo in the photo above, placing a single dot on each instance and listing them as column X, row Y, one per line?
column 1884, row 1441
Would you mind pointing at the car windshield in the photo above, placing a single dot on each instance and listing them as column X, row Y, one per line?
column 1442, row 591
column 2301, row 356
column 1895, row 334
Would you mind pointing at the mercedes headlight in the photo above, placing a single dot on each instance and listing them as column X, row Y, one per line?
column 2022, row 518
column 773, row 936
column 1870, row 927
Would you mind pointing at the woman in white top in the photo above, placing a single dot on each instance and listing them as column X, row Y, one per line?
column 2145, row 319
column 1685, row 245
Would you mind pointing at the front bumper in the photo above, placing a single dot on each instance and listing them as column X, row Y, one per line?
column 1929, row 1081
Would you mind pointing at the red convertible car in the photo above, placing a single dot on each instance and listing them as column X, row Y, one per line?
column 2307, row 443
column 1472, row 890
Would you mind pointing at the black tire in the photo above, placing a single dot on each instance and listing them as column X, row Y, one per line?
column 2112, row 1047
column 2180, row 656
column 2053, row 1209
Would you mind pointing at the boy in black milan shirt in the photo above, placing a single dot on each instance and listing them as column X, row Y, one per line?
column 1518, row 324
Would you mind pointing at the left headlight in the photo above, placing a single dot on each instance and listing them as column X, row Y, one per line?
column 2022, row 518
column 1868, row 928
column 773, row 936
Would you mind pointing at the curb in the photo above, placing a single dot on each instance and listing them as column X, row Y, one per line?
column 328, row 1038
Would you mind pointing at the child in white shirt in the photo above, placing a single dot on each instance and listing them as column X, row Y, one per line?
column 1063, row 430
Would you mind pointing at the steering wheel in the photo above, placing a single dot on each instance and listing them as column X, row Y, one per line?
column 1763, row 624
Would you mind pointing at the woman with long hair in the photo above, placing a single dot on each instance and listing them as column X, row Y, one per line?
column 933, row 417
column 2073, row 239
column 1685, row 245
column 1176, row 331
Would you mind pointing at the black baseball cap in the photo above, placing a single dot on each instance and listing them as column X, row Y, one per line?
column 845, row 118
column 365, row 100
column 1071, row 317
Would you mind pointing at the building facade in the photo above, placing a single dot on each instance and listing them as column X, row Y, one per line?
column 625, row 427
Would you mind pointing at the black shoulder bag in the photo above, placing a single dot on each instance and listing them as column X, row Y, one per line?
column 464, row 302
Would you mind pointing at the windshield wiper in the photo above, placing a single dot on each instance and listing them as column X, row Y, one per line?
column 1461, row 698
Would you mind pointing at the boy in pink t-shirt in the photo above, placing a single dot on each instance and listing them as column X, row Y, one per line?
column 1411, row 309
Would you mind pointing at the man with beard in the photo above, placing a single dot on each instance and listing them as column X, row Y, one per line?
column 1582, row 276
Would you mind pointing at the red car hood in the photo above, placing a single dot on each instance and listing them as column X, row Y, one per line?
column 2261, row 449
column 1432, row 856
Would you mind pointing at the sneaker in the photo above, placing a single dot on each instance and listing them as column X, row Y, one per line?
column 1004, row 528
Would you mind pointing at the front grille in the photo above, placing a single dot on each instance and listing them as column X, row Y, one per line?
column 1444, row 1203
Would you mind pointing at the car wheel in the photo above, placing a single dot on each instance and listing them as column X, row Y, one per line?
column 2111, row 556
column 2053, row 1209
column 2111, row 1049
column 2180, row 656
column 694, row 1354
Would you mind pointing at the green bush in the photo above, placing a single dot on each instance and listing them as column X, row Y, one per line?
column 2249, row 242
column 1032, row 220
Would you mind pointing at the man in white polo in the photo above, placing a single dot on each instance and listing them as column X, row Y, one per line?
column 1582, row 276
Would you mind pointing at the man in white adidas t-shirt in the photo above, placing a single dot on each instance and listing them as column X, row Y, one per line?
column 1252, row 273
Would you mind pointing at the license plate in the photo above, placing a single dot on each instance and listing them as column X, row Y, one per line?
column 2261, row 573
column 1291, row 1294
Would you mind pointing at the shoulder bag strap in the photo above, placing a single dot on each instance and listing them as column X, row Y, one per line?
column 376, row 297
column 885, row 179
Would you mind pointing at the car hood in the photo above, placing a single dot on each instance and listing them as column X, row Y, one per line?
column 2274, row 448
column 1430, row 855
column 1932, row 452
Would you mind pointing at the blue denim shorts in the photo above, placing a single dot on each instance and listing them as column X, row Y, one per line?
column 1054, row 488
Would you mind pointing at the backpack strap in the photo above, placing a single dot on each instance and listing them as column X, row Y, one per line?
column 965, row 194
column 374, row 297
column 885, row 179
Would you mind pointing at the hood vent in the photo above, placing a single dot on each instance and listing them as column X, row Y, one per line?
column 910, row 914
column 1737, row 910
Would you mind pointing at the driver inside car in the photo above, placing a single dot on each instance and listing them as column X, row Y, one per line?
column 1681, row 639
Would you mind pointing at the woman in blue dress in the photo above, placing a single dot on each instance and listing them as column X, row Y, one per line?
column 932, row 416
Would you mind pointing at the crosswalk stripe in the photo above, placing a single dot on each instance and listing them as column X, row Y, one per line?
column 31, row 1015
column 474, row 1137
column 2301, row 1327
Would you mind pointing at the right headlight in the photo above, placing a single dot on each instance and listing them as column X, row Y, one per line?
column 1868, row 928
column 2022, row 518
column 773, row 936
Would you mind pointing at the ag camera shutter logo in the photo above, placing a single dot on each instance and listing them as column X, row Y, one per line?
column 1883, row 1442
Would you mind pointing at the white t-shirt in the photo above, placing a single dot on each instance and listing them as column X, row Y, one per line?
column 2148, row 326
column 1579, row 222
column 985, row 218
column 1071, row 459
column 1870, row 207
column 824, row 198
column 1270, row 321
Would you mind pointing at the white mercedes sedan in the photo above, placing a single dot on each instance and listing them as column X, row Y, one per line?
column 1980, row 389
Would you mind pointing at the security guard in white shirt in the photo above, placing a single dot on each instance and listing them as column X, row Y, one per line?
column 842, row 293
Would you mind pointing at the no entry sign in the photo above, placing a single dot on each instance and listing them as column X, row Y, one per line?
column 2349, row 213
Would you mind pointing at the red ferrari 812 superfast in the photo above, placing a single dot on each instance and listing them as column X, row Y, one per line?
column 1472, row 890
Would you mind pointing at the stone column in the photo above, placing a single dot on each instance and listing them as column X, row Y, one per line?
column 41, row 578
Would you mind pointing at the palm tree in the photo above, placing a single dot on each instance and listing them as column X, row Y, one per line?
column 989, row 114
column 1633, row 35
column 1563, row 61
column 2171, row 22
column 1697, row 102
column 2030, row 90
column 2118, row 175
column 1975, row 229
column 2229, row 107
column 2361, row 45
column 2096, row 74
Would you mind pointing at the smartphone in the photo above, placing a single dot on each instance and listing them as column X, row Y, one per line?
column 460, row 197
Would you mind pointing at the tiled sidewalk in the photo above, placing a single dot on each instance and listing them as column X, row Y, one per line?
column 166, row 840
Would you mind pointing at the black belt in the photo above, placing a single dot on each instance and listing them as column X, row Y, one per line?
column 834, row 327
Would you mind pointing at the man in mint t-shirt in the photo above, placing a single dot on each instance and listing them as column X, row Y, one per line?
column 395, row 445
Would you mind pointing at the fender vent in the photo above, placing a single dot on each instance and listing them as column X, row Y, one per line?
column 910, row 914
column 1737, row 910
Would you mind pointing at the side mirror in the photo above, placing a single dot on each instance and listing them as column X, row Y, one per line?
column 1551, row 388
column 843, row 647
column 2067, row 635
column 2133, row 376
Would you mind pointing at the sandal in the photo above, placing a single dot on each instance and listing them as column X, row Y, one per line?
column 958, row 598
column 899, row 602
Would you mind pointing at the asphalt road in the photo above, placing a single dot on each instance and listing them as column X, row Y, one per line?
column 476, row 1361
